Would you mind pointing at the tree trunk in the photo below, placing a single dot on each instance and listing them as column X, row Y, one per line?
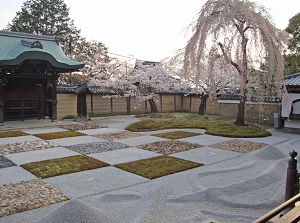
column 202, row 106
column 153, row 105
column 240, row 118
column 128, row 105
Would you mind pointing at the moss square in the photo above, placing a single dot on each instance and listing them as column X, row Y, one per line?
column 7, row 134
column 176, row 134
column 58, row 135
column 155, row 167
column 60, row 166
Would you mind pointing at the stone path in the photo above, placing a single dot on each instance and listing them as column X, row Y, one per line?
column 109, row 143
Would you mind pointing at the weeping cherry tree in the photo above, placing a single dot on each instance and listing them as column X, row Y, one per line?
column 238, row 34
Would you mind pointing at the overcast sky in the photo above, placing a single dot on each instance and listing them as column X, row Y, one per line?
column 147, row 30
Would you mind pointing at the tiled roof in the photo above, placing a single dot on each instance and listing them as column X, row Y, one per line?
column 292, row 80
column 267, row 99
column 179, row 91
column 104, row 90
column 78, row 88
column 70, row 88
column 17, row 47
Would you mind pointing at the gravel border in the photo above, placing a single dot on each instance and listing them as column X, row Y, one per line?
column 26, row 146
column 118, row 135
column 240, row 146
column 19, row 197
column 83, row 126
column 4, row 162
column 96, row 147
column 169, row 146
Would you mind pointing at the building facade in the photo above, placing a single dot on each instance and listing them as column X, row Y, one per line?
column 29, row 69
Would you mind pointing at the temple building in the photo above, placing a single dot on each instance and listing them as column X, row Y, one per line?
column 29, row 69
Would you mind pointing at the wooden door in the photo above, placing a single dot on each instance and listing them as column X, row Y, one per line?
column 21, row 103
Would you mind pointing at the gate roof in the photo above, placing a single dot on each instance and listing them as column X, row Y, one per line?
column 16, row 48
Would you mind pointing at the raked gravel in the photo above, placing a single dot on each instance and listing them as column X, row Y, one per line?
column 118, row 135
column 25, row 146
column 240, row 146
column 19, row 197
column 96, row 147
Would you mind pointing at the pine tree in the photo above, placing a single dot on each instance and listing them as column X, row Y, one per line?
column 46, row 17
column 292, row 57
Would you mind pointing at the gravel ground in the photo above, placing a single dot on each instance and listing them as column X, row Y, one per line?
column 4, row 162
column 96, row 147
column 118, row 135
column 83, row 126
column 240, row 146
column 26, row 146
column 169, row 147
column 28, row 195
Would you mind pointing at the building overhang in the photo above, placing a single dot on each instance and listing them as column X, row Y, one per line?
column 19, row 48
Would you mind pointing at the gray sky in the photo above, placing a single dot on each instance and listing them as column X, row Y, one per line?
column 147, row 30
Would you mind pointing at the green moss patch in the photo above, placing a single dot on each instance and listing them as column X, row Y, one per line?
column 212, row 127
column 12, row 134
column 152, row 125
column 157, row 166
column 229, row 130
column 58, row 135
column 60, row 166
column 176, row 134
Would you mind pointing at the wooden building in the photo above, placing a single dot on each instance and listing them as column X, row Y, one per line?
column 29, row 69
column 290, row 111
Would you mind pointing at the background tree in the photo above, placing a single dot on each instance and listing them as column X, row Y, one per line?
column 51, row 17
column 97, row 62
column 239, row 31
column 46, row 17
column 143, row 81
column 292, row 56
column 215, row 77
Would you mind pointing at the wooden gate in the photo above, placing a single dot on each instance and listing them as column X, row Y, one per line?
column 21, row 103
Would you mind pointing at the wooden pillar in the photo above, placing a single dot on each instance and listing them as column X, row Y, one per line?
column 174, row 102
column 54, row 97
column 1, row 102
column 161, row 102
column 181, row 107
column 190, row 103
column 44, row 99
column 111, row 106
column 92, row 105
column 81, row 105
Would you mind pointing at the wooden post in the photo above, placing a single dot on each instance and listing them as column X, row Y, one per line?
column 181, row 103
column 111, row 106
column 174, row 102
column 1, row 102
column 92, row 105
column 161, row 103
column 292, row 177
column 190, row 103
column 54, row 97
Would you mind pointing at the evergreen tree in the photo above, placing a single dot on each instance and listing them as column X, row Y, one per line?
column 292, row 58
column 46, row 17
